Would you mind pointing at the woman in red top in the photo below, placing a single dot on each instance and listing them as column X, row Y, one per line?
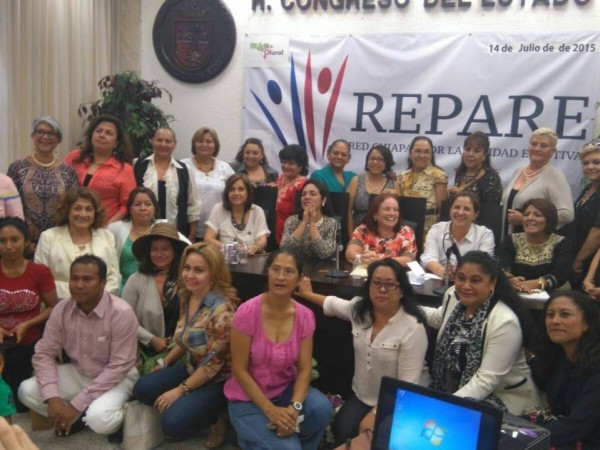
column 103, row 163
column 24, row 285
column 294, row 168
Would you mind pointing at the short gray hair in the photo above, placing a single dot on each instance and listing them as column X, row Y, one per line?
column 49, row 120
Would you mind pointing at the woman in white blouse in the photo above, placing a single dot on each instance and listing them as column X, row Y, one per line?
column 236, row 219
column 172, row 182
column 209, row 172
column 389, row 340
column 79, row 216
column 460, row 231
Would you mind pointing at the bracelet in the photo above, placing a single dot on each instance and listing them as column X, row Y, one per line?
column 160, row 363
column 185, row 388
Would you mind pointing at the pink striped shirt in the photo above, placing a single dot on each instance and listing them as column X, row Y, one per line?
column 102, row 346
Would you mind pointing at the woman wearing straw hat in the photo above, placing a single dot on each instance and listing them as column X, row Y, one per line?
column 152, row 290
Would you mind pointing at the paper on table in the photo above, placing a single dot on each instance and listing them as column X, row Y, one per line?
column 536, row 294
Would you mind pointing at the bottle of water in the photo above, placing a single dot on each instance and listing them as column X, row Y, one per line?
column 225, row 251
column 234, row 255
column 243, row 252
column 356, row 264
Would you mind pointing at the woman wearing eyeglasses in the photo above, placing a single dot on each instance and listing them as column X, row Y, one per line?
column 41, row 178
column 378, row 165
column 271, row 403
column 389, row 340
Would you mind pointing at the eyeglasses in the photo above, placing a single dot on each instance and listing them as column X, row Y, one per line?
column 42, row 133
column 388, row 286
column 376, row 159
column 286, row 272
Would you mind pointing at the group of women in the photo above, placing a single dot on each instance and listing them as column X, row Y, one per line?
column 258, row 355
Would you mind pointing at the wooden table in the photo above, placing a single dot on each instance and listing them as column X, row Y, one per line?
column 333, row 348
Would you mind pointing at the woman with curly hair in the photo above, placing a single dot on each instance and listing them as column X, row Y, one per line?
column 103, row 163
column 79, row 217
column 566, row 366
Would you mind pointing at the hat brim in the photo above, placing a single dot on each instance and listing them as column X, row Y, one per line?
column 144, row 242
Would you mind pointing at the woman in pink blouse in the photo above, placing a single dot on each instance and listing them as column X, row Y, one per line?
column 190, row 396
column 103, row 163
column 271, row 403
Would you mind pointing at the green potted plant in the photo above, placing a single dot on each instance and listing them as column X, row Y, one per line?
column 129, row 98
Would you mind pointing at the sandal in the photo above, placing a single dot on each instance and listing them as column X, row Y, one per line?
column 218, row 433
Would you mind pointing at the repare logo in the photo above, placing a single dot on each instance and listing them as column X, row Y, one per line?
column 266, row 49
column 303, row 109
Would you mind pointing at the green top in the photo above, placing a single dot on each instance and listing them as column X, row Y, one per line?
column 127, row 262
column 7, row 402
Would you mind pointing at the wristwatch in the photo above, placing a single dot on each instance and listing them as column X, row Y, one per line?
column 297, row 406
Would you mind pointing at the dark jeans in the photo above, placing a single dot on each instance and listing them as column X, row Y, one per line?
column 189, row 412
column 346, row 423
column 18, row 368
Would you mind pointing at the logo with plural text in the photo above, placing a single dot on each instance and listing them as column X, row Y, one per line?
column 312, row 95
column 266, row 49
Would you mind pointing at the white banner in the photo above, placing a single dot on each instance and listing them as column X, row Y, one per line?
column 388, row 88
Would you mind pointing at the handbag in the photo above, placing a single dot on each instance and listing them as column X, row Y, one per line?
column 141, row 427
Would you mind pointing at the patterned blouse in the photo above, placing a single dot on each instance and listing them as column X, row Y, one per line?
column 40, row 188
column 400, row 245
column 322, row 248
column 551, row 260
column 422, row 184
column 362, row 198
column 205, row 336
column 488, row 188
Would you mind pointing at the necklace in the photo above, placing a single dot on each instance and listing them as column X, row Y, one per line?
column 238, row 225
column 142, row 232
column 201, row 166
column 374, row 189
column 589, row 194
column 527, row 176
column 41, row 164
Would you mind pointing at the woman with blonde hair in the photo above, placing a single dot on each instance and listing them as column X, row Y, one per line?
column 190, row 396
column 538, row 180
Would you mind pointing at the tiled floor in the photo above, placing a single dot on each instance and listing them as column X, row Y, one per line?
column 88, row 440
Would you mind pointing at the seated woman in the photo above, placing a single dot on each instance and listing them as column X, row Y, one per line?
column 312, row 230
column 482, row 330
column 252, row 161
column 333, row 175
column 142, row 208
column 566, row 366
column 190, row 396
column 152, row 290
column 424, row 179
column 79, row 216
column 475, row 173
column 382, row 235
column 591, row 282
column 237, row 219
column 271, row 403
column 389, row 340
column 461, row 231
column 25, row 285
column 537, row 258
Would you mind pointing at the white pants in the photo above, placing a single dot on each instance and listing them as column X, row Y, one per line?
column 104, row 415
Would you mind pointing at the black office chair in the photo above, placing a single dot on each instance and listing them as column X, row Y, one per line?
column 266, row 198
column 490, row 215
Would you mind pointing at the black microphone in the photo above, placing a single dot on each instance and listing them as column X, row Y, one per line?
column 453, row 249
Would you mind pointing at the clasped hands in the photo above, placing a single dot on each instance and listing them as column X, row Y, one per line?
column 526, row 286
column 62, row 415
column 283, row 420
